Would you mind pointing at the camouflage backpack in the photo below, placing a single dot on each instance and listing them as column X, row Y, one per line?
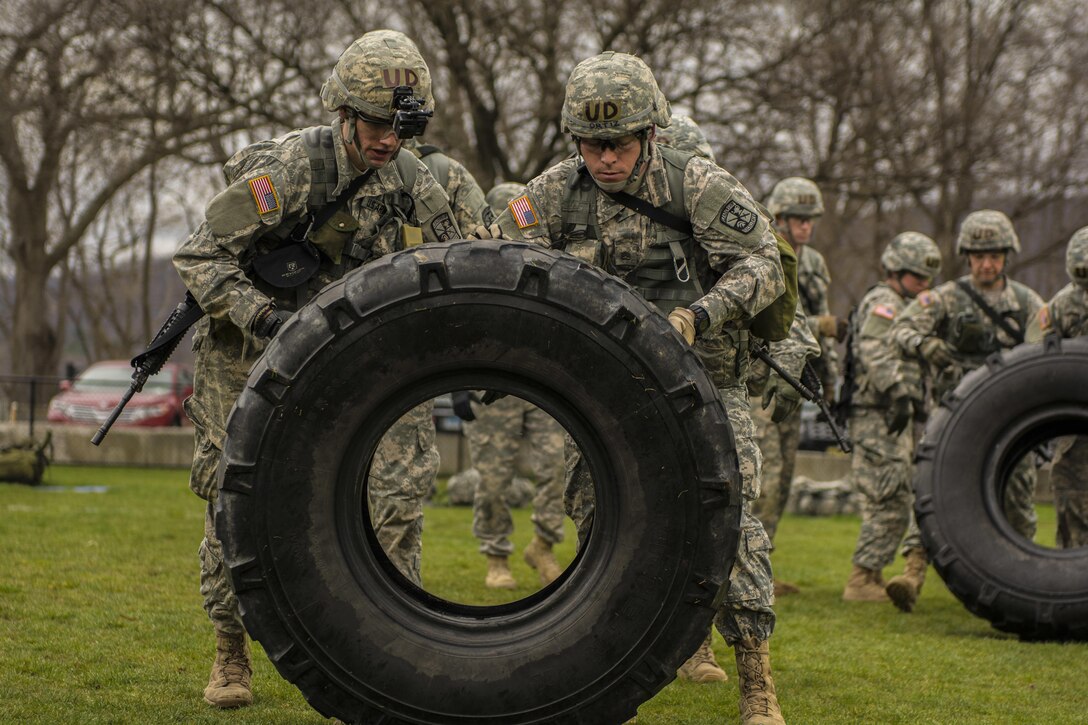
column 24, row 461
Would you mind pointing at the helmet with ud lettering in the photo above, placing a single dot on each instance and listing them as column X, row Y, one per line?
column 795, row 196
column 683, row 134
column 368, row 71
column 503, row 194
column 987, row 231
column 912, row 252
column 612, row 95
column 1076, row 257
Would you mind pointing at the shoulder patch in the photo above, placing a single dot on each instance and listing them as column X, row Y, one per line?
column 884, row 311
column 737, row 216
column 525, row 215
column 925, row 299
column 264, row 193
column 1044, row 318
column 443, row 227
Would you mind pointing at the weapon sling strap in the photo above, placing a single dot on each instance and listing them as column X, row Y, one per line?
column 661, row 216
column 1016, row 335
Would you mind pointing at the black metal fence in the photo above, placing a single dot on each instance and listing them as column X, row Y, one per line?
column 25, row 398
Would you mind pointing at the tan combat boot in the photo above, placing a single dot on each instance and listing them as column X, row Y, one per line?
column 702, row 667
column 229, row 684
column 904, row 589
column 864, row 585
column 784, row 588
column 498, row 574
column 758, row 700
column 538, row 555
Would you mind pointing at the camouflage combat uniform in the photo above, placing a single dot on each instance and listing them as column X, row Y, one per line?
column 1066, row 315
column 494, row 438
column 948, row 313
column 746, row 256
column 881, row 461
column 216, row 265
column 466, row 197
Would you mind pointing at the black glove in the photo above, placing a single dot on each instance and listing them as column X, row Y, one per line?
column 900, row 411
column 268, row 321
column 462, row 404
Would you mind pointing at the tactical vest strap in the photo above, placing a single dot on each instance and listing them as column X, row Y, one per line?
column 318, row 142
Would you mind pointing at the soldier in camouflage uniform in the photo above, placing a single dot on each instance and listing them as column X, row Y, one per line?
column 611, row 109
column 683, row 134
column 495, row 432
column 1066, row 315
column 470, row 209
column 253, row 261
column 886, row 398
column 949, row 331
column 796, row 205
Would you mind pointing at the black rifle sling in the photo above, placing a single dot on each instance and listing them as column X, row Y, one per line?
column 656, row 213
column 1016, row 335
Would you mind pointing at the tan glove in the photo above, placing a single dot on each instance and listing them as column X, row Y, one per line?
column 683, row 321
column 489, row 232
column 936, row 352
column 831, row 326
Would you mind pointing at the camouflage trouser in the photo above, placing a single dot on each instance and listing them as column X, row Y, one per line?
column 1070, row 478
column 401, row 475
column 881, row 473
column 747, row 610
column 778, row 444
column 494, row 440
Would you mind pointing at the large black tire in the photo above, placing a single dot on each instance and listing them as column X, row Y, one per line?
column 998, row 413
column 333, row 613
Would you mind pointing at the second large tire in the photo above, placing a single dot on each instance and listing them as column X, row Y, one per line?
column 996, row 415
column 365, row 645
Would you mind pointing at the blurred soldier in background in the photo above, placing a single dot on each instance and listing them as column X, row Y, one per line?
column 885, row 398
column 952, row 329
column 257, row 257
column 1066, row 315
column 466, row 197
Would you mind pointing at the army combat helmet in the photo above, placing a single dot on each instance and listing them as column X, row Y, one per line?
column 1076, row 257
column 503, row 194
column 795, row 196
column 612, row 95
column 987, row 231
column 367, row 72
column 683, row 134
column 912, row 252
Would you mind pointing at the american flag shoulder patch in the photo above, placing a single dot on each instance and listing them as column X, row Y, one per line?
column 1044, row 317
column 884, row 311
column 925, row 299
column 524, row 214
column 264, row 194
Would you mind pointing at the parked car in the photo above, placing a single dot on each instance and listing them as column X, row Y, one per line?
column 92, row 396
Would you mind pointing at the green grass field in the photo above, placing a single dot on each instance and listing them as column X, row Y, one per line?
column 101, row 621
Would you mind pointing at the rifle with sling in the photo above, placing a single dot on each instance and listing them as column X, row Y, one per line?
column 809, row 388
column 188, row 311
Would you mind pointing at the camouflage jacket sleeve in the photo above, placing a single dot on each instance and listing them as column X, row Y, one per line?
column 1066, row 315
column 433, row 212
column 739, row 242
column 544, row 195
column 268, row 184
column 792, row 352
column 466, row 198
column 879, row 364
column 919, row 320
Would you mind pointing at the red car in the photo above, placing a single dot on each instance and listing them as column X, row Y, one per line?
column 91, row 397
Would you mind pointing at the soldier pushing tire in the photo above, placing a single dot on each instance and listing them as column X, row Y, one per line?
column 337, row 618
column 997, row 415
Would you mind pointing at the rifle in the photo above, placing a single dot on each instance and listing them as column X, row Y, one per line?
column 158, row 351
column 810, row 389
